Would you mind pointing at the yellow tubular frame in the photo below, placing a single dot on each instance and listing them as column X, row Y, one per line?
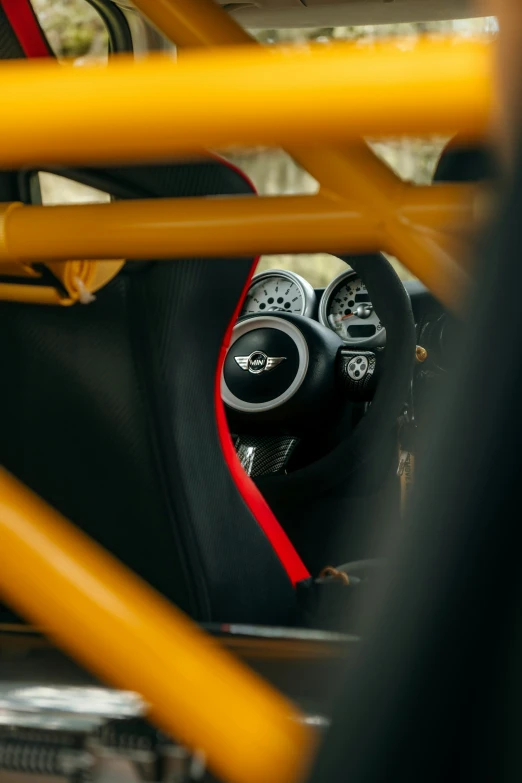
column 128, row 634
column 355, row 172
column 328, row 222
column 318, row 95
column 51, row 572
column 362, row 204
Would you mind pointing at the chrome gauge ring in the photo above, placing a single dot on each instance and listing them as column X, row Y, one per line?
column 346, row 309
column 279, row 291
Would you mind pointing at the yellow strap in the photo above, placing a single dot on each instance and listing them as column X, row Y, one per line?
column 81, row 279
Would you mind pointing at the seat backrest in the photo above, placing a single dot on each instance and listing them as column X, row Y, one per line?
column 110, row 414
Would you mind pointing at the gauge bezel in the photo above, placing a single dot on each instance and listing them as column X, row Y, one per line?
column 307, row 292
column 376, row 341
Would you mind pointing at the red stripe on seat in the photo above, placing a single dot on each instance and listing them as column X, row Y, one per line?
column 25, row 26
column 281, row 544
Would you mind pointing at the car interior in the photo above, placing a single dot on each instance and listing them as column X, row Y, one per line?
column 319, row 432
column 245, row 443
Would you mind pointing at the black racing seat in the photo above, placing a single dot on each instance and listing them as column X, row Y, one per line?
column 112, row 413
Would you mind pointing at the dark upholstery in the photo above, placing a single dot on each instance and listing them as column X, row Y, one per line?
column 109, row 415
column 437, row 685
column 10, row 48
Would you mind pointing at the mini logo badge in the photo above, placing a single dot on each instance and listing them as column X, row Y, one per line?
column 259, row 362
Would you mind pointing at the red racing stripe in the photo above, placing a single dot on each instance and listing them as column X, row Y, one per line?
column 281, row 544
column 25, row 26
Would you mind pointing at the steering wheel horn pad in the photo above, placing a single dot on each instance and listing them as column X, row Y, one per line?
column 264, row 366
column 279, row 365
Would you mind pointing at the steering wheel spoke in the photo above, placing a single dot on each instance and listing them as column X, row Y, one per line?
column 357, row 373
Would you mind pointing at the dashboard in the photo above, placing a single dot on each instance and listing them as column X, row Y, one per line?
column 344, row 306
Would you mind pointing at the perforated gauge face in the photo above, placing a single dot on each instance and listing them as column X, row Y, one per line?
column 278, row 290
column 347, row 309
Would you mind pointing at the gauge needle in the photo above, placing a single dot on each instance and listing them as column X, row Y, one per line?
column 344, row 317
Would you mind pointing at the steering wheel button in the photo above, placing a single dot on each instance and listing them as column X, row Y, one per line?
column 358, row 367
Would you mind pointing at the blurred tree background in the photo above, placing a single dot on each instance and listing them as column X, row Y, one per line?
column 74, row 29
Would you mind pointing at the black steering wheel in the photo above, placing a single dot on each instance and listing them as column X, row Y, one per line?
column 283, row 370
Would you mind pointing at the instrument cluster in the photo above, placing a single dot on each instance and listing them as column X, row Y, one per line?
column 345, row 306
column 278, row 290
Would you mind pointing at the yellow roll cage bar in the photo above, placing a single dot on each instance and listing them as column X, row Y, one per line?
column 331, row 94
column 317, row 102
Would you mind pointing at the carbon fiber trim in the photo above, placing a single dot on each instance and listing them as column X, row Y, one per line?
column 263, row 454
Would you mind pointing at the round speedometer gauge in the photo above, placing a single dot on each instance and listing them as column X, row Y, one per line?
column 279, row 290
column 346, row 308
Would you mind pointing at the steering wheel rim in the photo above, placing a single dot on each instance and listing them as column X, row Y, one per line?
column 393, row 304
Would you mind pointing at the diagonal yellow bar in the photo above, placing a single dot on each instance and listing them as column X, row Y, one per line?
column 157, row 108
column 124, row 631
column 194, row 23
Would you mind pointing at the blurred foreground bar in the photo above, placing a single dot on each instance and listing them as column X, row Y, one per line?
column 159, row 108
column 127, row 634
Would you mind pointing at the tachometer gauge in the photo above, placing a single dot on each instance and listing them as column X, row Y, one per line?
column 279, row 290
column 346, row 308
